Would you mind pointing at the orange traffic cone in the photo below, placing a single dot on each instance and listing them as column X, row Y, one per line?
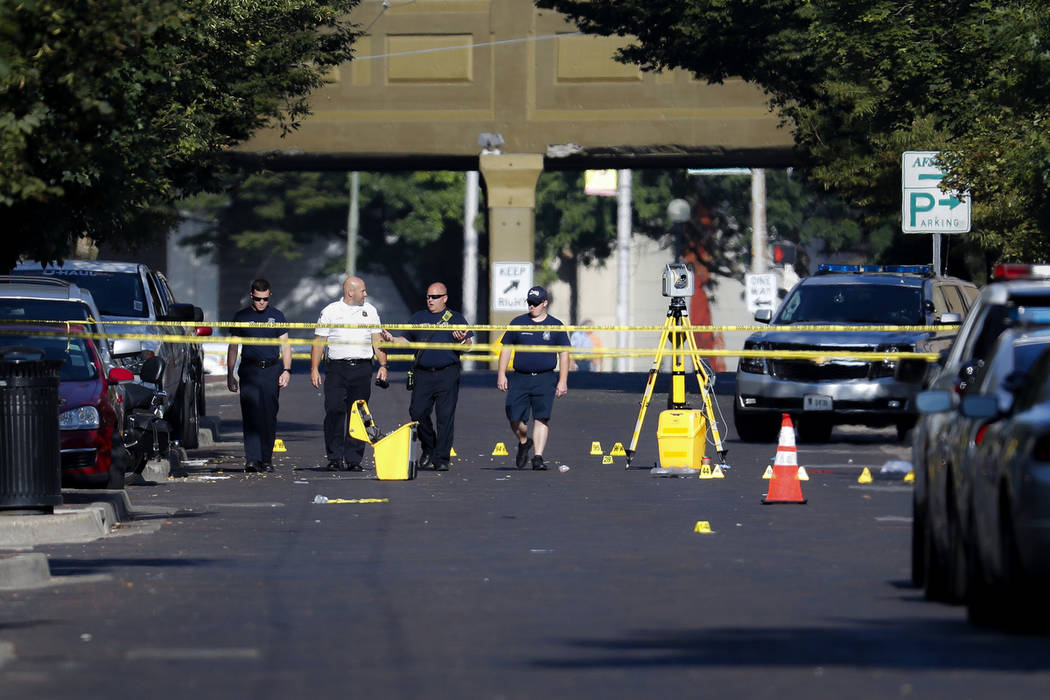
column 785, row 486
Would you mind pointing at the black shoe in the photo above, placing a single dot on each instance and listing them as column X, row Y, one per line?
column 354, row 467
column 523, row 453
column 266, row 467
column 334, row 465
column 538, row 464
column 252, row 467
column 441, row 466
column 424, row 460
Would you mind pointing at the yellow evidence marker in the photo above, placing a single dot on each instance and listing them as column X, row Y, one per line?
column 499, row 449
column 607, row 459
column 865, row 477
column 618, row 451
column 278, row 445
column 703, row 527
column 596, row 448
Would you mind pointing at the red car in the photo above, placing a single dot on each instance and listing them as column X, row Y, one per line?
column 90, row 405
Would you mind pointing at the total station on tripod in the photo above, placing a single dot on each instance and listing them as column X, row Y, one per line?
column 677, row 280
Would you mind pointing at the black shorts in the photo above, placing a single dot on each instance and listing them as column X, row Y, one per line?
column 533, row 392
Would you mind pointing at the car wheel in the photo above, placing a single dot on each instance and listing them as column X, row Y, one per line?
column 755, row 427
column 189, row 419
column 935, row 571
column 918, row 542
column 202, row 409
column 813, row 429
column 955, row 571
column 176, row 455
column 116, row 474
column 982, row 598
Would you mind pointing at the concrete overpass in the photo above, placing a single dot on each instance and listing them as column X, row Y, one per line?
column 431, row 75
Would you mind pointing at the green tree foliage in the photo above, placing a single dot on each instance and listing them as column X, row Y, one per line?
column 860, row 81
column 112, row 110
column 410, row 224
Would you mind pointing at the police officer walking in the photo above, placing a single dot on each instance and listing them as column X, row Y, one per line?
column 435, row 376
column 532, row 385
column 264, row 371
column 348, row 369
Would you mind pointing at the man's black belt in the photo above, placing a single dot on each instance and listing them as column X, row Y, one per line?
column 436, row 369
column 352, row 361
column 261, row 364
column 542, row 371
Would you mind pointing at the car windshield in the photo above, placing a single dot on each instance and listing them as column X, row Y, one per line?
column 77, row 362
column 115, row 293
column 853, row 303
column 42, row 310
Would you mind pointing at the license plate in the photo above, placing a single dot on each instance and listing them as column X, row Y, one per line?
column 816, row 402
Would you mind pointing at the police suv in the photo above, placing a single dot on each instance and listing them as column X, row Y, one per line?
column 824, row 392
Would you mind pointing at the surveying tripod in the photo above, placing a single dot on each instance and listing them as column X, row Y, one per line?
column 682, row 342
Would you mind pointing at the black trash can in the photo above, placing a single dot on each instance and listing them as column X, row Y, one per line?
column 30, row 462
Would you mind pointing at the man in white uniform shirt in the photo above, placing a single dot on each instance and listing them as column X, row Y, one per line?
column 348, row 369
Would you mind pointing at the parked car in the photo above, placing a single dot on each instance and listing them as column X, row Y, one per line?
column 821, row 394
column 1008, row 553
column 30, row 298
column 1015, row 351
column 131, row 292
column 935, row 559
column 91, row 411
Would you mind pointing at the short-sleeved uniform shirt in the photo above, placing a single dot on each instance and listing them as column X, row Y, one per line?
column 436, row 358
column 536, row 333
column 348, row 343
column 274, row 329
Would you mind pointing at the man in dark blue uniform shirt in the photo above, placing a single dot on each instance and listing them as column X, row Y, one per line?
column 264, row 371
column 532, row 386
column 436, row 376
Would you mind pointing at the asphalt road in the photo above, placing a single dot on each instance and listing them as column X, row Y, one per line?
column 490, row 582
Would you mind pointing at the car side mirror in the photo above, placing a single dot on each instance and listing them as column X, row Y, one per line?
column 120, row 374
column 979, row 406
column 181, row 312
column 933, row 401
column 764, row 315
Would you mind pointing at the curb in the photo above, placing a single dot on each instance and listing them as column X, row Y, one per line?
column 24, row 571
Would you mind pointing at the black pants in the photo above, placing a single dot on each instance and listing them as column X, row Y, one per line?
column 259, row 402
column 344, row 383
column 436, row 391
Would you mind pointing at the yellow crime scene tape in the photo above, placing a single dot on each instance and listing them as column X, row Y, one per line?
column 490, row 351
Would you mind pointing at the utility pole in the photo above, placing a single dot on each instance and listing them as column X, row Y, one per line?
column 623, row 262
column 352, row 221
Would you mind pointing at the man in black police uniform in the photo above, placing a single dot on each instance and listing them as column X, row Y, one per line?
column 435, row 375
column 533, row 385
column 264, row 371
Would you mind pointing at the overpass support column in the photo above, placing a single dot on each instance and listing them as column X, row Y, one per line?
column 510, row 181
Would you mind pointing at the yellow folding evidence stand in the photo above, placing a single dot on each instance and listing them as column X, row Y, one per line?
column 395, row 454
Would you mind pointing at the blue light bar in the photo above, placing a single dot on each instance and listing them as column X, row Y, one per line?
column 1033, row 315
column 825, row 267
column 909, row 269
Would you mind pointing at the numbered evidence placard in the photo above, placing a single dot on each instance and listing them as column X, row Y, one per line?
column 511, row 281
column 760, row 291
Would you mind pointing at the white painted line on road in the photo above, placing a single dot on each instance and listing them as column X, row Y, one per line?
column 176, row 654
column 890, row 489
column 894, row 519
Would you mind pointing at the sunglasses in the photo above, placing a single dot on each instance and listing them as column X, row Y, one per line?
column 255, row 298
column 534, row 303
column 434, row 296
